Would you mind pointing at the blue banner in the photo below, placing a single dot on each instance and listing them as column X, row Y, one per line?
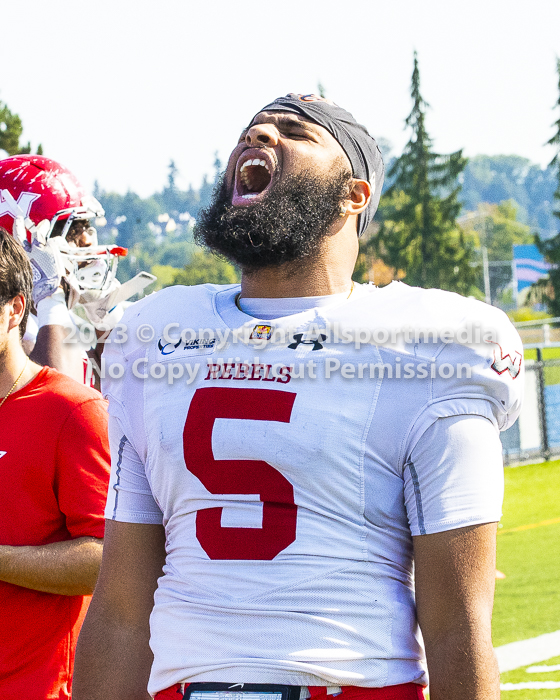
column 529, row 265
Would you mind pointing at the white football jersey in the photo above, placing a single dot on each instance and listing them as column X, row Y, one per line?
column 291, row 469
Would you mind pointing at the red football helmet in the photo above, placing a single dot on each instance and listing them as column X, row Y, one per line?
column 41, row 193
column 40, row 189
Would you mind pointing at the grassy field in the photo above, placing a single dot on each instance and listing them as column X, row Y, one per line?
column 551, row 374
column 528, row 600
column 521, row 675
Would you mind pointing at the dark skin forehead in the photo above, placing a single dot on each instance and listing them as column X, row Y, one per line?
column 284, row 121
column 298, row 135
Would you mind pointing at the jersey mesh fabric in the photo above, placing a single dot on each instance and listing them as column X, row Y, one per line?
column 336, row 605
column 54, row 471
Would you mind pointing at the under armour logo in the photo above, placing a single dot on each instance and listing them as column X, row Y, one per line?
column 505, row 363
column 316, row 342
column 22, row 206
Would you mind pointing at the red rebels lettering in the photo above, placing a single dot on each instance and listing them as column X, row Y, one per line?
column 283, row 375
column 227, row 371
column 214, row 371
column 256, row 373
column 268, row 376
column 243, row 370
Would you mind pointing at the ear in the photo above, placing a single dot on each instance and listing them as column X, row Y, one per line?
column 16, row 309
column 359, row 197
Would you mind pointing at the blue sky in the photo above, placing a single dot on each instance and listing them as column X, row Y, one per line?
column 114, row 89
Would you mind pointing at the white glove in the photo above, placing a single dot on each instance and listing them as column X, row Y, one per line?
column 106, row 311
column 47, row 262
column 48, row 269
column 101, row 310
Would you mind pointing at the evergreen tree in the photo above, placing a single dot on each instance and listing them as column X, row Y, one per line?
column 11, row 130
column 170, row 198
column 172, row 176
column 217, row 167
column 419, row 233
column 555, row 141
column 207, row 268
column 551, row 248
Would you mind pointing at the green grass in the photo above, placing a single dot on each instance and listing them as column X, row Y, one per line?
column 520, row 675
column 527, row 601
column 551, row 374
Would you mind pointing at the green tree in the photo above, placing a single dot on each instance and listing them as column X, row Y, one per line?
column 206, row 268
column 419, row 233
column 165, row 274
column 555, row 142
column 208, row 186
column 497, row 227
column 11, row 130
column 130, row 217
column 551, row 248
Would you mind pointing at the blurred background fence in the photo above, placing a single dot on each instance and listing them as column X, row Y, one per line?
column 536, row 434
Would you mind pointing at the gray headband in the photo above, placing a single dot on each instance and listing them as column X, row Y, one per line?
column 361, row 148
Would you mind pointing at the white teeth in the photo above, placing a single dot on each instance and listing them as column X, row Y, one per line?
column 255, row 161
column 249, row 196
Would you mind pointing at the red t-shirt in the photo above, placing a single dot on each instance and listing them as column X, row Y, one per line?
column 54, row 471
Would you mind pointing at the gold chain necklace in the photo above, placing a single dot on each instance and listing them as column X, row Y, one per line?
column 15, row 383
column 238, row 297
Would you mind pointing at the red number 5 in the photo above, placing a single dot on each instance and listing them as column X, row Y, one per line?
column 241, row 476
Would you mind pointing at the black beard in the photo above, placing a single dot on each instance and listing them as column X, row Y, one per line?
column 288, row 224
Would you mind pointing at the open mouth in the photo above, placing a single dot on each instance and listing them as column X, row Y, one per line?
column 253, row 177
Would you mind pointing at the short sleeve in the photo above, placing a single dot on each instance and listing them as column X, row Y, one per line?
column 129, row 497
column 82, row 469
column 454, row 475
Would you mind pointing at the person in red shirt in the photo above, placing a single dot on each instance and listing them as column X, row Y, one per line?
column 54, row 469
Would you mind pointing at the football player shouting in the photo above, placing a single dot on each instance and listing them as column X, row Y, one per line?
column 282, row 534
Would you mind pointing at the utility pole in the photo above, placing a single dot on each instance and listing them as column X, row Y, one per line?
column 480, row 216
column 487, row 293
